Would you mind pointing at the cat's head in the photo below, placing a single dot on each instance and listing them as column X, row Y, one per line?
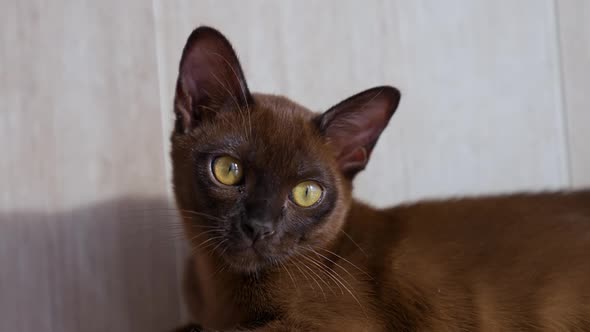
column 259, row 178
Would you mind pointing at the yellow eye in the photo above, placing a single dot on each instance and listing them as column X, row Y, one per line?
column 307, row 193
column 227, row 170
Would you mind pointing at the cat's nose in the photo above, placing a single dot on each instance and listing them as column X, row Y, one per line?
column 257, row 229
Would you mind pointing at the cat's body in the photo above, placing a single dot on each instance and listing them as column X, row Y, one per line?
column 505, row 263
column 264, row 187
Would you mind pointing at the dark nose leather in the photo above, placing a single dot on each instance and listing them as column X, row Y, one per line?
column 256, row 229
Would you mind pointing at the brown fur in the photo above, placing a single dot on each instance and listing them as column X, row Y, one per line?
column 517, row 262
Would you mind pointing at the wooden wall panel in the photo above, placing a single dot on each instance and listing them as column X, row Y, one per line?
column 87, row 237
column 574, row 27
column 81, row 137
column 481, row 110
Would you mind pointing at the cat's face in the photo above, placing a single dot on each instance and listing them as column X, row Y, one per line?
column 264, row 178
column 259, row 178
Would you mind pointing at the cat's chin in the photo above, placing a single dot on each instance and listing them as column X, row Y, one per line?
column 249, row 260
column 247, row 268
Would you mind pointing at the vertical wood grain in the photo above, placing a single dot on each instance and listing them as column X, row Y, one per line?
column 82, row 247
column 481, row 109
column 574, row 27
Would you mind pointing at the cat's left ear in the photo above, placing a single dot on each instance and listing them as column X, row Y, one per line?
column 353, row 126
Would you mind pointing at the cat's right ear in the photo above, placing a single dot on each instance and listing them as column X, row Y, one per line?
column 209, row 77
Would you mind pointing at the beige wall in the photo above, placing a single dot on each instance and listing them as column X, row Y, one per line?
column 495, row 99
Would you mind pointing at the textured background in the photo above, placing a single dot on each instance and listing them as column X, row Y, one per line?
column 495, row 99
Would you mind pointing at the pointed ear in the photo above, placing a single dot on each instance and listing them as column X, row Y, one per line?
column 353, row 126
column 209, row 76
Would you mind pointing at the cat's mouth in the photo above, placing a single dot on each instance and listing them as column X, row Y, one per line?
column 248, row 256
column 247, row 260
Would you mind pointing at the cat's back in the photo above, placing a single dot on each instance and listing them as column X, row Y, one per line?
column 517, row 262
column 517, row 219
column 497, row 215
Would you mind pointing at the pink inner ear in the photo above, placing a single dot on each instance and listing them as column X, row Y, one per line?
column 358, row 128
column 354, row 126
column 209, row 75
column 357, row 159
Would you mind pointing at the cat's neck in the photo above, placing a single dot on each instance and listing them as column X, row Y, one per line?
column 216, row 286
column 210, row 287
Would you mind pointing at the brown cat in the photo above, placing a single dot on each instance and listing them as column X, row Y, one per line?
column 264, row 188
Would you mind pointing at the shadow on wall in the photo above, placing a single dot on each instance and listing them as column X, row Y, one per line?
column 105, row 267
